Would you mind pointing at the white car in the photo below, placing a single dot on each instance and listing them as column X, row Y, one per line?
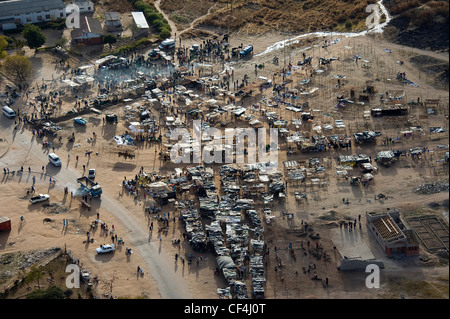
column 103, row 249
column 54, row 159
column 39, row 198
column 91, row 173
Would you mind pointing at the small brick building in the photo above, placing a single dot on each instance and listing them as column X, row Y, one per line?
column 90, row 31
column 5, row 223
column 391, row 233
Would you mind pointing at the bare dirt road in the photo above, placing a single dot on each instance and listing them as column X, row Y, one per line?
column 25, row 151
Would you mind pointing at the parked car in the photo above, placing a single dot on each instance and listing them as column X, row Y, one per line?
column 54, row 159
column 80, row 120
column 104, row 249
column 91, row 173
column 39, row 198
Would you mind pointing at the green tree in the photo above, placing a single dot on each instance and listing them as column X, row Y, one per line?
column 34, row 36
column 164, row 34
column 152, row 16
column 17, row 67
column 109, row 39
column 34, row 274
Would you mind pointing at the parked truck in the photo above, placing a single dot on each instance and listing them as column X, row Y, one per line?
column 39, row 198
column 93, row 188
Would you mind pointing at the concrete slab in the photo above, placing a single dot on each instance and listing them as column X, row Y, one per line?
column 352, row 244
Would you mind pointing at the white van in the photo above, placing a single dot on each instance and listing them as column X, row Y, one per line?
column 167, row 44
column 8, row 112
column 54, row 159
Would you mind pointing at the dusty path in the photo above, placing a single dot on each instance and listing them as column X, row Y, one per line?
column 171, row 284
column 193, row 24
column 171, row 23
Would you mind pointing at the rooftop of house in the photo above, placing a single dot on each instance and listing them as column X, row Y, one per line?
column 112, row 16
column 10, row 8
column 87, row 25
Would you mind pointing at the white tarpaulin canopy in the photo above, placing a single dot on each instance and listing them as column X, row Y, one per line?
column 106, row 58
column 225, row 262
column 84, row 67
column 71, row 83
column 155, row 186
column 211, row 102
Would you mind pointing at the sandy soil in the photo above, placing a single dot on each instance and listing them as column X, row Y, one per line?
column 397, row 181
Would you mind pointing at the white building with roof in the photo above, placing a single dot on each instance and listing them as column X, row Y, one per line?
column 140, row 23
column 85, row 6
column 20, row 12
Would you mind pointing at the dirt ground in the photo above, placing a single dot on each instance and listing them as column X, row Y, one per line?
column 43, row 228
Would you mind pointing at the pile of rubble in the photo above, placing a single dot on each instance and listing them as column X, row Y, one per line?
column 432, row 188
column 11, row 263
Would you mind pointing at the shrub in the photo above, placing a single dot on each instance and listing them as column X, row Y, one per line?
column 348, row 25
column 164, row 34
column 158, row 25
column 109, row 39
column 140, row 6
column 151, row 17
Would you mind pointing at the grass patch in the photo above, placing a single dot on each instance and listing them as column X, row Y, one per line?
column 179, row 19
column 416, row 289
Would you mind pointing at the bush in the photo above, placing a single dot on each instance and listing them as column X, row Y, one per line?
column 57, row 24
column 348, row 25
column 128, row 47
column 140, row 6
column 109, row 39
column 151, row 17
column 158, row 25
column 164, row 34
column 148, row 12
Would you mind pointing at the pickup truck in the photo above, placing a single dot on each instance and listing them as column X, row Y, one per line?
column 39, row 198
column 103, row 249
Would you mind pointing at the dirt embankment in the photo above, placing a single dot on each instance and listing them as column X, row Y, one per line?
column 420, row 24
column 261, row 16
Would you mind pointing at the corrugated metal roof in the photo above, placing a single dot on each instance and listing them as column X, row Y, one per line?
column 112, row 16
column 140, row 20
column 89, row 28
column 4, row 219
column 15, row 7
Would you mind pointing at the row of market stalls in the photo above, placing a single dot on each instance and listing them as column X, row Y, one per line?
column 316, row 143
column 232, row 228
